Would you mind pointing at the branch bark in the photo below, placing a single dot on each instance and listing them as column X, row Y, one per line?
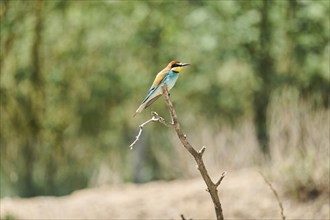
column 198, row 156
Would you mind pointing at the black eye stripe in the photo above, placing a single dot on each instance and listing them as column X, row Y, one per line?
column 175, row 65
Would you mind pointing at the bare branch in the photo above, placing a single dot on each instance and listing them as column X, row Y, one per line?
column 162, row 120
column 211, row 187
column 201, row 151
column 153, row 119
column 176, row 125
column 221, row 178
column 275, row 194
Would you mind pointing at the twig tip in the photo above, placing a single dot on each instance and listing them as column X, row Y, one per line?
column 224, row 173
column 201, row 151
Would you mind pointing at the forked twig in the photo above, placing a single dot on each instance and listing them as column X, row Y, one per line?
column 155, row 117
column 137, row 137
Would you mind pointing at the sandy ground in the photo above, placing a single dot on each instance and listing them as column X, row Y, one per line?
column 243, row 194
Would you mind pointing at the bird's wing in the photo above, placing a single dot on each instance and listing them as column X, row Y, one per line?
column 145, row 104
column 159, row 78
column 148, row 100
column 151, row 101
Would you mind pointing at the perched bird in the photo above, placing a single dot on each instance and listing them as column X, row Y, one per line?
column 167, row 76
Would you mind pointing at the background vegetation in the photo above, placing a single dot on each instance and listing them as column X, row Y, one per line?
column 73, row 73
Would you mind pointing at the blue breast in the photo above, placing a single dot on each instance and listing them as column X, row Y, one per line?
column 171, row 79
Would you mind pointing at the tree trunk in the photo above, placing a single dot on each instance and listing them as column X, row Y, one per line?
column 34, row 108
column 266, row 72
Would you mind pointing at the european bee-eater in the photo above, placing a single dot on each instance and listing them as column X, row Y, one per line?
column 167, row 76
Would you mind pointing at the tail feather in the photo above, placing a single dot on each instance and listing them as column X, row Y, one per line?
column 145, row 105
column 140, row 109
column 152, row 100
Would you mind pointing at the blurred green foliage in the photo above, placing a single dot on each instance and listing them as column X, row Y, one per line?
column 73, row 73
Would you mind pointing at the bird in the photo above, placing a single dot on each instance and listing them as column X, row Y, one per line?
column 167, row 76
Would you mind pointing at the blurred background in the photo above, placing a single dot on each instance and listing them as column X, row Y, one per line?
column 74, row 72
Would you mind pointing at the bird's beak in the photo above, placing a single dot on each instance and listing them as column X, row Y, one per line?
column 185, row 64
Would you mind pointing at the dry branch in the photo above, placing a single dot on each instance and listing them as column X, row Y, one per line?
column 275, row 194
column 221, row 178
column 211, row 186
column 155, row 117
column 198, row 155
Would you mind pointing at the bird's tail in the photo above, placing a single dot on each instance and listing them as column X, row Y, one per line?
column 146, row 104
column 140, row 109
